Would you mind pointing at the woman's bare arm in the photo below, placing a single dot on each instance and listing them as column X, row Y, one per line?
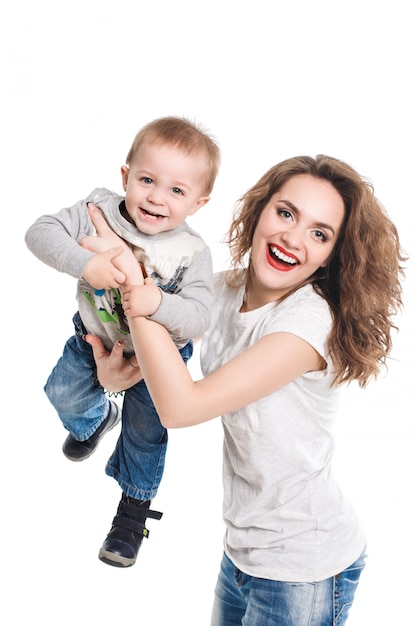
column 270, row 364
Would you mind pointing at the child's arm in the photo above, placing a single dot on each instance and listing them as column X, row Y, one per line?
column 186, row 313
column 53, row 239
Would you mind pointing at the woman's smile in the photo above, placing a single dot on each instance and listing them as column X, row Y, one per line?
column 281, row 259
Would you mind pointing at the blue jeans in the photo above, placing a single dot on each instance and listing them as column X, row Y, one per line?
column 242, row 600
column 138, row 460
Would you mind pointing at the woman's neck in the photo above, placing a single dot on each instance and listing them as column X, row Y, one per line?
column 256, row 296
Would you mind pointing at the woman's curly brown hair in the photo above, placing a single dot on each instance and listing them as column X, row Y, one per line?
column 361, row 282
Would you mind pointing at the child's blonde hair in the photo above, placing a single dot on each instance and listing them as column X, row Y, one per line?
column 189, row 137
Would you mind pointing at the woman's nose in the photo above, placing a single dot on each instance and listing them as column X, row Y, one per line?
column 292, row 237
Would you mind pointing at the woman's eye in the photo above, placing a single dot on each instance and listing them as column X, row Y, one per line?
column 320, row 235
column 284, row 213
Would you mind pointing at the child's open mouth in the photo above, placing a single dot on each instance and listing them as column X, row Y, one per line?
column 148, row 215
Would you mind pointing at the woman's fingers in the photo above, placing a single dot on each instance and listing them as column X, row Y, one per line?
column 100, row 224
column 114, row 371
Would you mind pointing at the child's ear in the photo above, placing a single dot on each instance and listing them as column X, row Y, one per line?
column 125, row 175
column 200, row 202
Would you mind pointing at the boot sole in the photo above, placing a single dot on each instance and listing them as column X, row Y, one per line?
column 116, row 560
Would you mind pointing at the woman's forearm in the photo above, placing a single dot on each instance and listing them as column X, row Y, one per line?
column 173, row 391
column 179, row 400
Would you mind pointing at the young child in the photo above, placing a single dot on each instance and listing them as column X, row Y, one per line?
column 308, row 305
column 169, row 174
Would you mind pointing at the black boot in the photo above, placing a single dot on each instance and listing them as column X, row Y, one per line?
column 122, row 544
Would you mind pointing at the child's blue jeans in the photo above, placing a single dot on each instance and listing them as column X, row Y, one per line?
column 138, row 460
column 243, row 600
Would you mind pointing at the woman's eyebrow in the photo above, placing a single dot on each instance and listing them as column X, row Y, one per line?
column 289, row 204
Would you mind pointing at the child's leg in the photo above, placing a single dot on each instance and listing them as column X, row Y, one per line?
column 73, row 389
column 139, row 457
column 138, row 465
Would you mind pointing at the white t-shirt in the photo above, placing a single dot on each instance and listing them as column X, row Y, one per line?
column 286, row 518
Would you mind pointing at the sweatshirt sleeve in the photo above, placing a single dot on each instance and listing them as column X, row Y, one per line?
column 54, row 238
column 186, row 313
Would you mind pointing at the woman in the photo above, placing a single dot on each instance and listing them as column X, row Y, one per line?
column 307, row 307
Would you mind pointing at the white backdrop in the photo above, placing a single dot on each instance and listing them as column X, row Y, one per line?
column 270, row 80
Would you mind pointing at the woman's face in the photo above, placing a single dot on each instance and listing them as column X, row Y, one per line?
column 295, row 235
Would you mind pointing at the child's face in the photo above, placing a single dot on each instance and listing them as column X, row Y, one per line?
column 295, row 235
column 163, row 186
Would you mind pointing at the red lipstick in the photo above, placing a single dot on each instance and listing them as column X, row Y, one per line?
column 280, row 259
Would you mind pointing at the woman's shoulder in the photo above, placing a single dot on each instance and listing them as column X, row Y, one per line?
column 227, row 286
column 303, row 309
column 304, row 313
column 307, row 297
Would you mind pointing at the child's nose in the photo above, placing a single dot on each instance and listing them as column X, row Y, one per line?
column 156, row 196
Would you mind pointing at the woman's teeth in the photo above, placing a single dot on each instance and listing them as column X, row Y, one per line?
column 281, row 256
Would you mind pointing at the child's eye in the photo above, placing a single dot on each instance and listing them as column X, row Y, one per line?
column 178, row 191
column 147, row 180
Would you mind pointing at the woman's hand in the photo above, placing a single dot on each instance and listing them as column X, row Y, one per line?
column 114, row 372
column 106, row 238
column 109, row 246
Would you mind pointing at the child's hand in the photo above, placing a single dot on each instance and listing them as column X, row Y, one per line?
column 141, row 300
column 106, row 242
column 102, row 273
